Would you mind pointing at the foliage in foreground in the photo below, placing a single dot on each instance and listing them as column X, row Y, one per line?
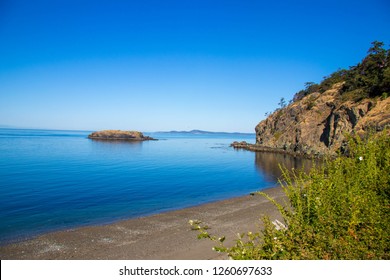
column 338, row 211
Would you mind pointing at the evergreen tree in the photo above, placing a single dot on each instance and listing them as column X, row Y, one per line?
column 369, row 78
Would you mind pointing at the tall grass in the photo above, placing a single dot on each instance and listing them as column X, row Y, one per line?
column 338, row 211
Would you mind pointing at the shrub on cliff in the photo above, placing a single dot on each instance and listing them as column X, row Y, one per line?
column 369, row 78
column 338, row 211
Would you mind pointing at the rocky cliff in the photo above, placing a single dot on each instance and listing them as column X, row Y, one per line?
column 317, row 124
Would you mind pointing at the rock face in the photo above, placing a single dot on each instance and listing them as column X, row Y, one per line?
column 119, row 135
column 317, row 124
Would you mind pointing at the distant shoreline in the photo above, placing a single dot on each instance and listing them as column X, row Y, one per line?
column 196, row 131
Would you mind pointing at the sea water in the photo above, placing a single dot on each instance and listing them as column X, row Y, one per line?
column 54, row 180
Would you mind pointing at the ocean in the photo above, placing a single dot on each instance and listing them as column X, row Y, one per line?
column 54, row 180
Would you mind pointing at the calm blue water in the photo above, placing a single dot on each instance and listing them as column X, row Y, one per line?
column 51, row 180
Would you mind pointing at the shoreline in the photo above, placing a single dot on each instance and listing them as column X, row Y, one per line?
column 265, row 149
column 161, row 236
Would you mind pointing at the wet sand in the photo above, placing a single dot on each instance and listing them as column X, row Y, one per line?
column 162, row 236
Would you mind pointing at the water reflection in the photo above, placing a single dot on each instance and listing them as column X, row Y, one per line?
column 269, row 164
column 117, row 143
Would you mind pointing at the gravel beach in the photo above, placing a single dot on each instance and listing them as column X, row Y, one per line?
column 165, row 236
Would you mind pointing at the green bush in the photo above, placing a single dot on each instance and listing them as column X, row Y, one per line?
column 354, row 95
column 337, row 211
column 310, row 103
column 277, row 135
column 368, row 79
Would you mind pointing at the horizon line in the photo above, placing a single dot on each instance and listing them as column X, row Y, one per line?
column 3, row 126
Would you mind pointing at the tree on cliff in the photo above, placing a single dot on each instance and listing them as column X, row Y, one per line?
column 369, row 78
column 282, row 103
column 310, row 87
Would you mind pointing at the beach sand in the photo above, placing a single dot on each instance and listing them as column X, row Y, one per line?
column 166, row 236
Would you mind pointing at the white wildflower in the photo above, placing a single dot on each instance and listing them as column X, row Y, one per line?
column 360, row 158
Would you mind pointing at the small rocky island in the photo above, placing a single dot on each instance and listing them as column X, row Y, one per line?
column 122, row 135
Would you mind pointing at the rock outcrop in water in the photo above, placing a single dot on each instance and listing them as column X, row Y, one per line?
column 119, row 135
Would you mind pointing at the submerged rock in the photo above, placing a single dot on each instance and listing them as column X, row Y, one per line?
column 119, row 135
column 241, row 144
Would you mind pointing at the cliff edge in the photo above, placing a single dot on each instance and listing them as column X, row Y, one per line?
column 354, row 101
column 317, row 124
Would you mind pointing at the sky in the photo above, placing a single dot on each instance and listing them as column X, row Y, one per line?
column 152, row 65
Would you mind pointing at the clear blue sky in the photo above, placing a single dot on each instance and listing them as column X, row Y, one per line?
column 154, row 65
